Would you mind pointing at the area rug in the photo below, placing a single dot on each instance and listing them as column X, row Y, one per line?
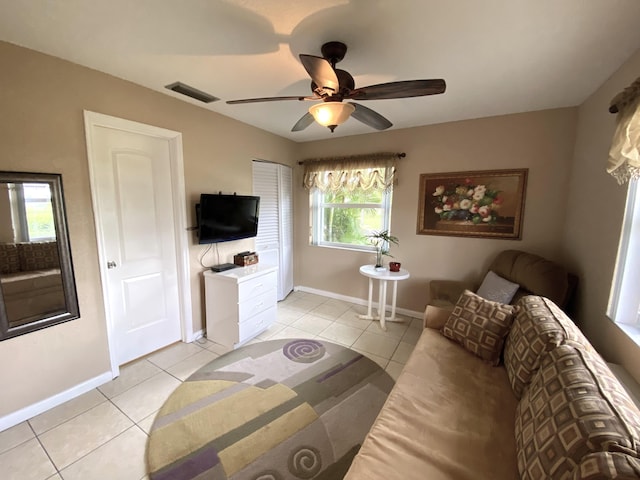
column 275, row 410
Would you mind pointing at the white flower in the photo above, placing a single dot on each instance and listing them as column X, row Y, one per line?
column 480, row 188
column 484, row 212
column 465, row 204
column 438, row 210
column 439, row 191
column 477, row 196
column 487, row 219
column 446, row 207
column 470, row 192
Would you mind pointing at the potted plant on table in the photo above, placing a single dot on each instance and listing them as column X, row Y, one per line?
column 382, row 241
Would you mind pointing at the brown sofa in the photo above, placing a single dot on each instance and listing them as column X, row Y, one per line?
column 553, row 409
column 31, row 280
column 535, row 276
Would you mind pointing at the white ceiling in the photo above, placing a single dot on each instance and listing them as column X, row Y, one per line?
column 497, row 56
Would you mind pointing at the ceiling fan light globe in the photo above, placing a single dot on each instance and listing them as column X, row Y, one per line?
column 331, row 113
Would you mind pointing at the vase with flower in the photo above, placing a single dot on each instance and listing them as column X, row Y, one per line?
column 381, row 241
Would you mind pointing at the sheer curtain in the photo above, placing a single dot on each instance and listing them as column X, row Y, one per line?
column 359, row 171
column 624, row 154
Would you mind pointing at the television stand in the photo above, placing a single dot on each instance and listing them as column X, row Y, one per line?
column 223, row 267
column 240, row 303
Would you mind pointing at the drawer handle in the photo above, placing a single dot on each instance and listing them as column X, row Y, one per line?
column 259, row 285
column 258, row 304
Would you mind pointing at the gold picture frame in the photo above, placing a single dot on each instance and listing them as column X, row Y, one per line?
column 484, row 203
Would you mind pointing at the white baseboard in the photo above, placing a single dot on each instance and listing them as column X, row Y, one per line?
column 196, row 336
column 357, row 301
column 31, row 411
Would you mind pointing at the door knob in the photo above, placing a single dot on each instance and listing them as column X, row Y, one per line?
column 111, row 265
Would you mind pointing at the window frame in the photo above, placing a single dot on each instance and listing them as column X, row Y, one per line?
column 624, row 298
column 317, row 206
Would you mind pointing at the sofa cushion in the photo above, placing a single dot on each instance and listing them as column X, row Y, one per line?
column 449, row 416
column 479, row 325
column 607, row 465
column 574, row 406
column 38, row 255
column 538, row 327
column 497, row 289
column 9, row 259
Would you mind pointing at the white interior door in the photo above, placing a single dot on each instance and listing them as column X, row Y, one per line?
column 285, row 195
column 133, row 196
column 274, row 242
column 265, row 185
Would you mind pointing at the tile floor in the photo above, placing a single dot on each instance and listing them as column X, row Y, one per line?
column 103, row 433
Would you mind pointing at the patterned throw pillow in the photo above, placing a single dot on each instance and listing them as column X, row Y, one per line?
column 497, row 289
column 606, row 465
column 574, row 406
column 38, row 256
column 539, row 327
column 479, row 325
column 9, row 260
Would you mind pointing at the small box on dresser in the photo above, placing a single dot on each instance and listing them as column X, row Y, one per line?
column 240, row 303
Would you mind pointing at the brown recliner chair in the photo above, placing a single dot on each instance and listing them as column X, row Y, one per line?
column 534, row 274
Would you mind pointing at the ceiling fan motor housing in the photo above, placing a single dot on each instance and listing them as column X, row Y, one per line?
column 346, row 82
column 334, row 52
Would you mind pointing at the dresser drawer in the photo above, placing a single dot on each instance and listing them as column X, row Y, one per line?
column 256, row 324
column 256, row 286
column 256, row 304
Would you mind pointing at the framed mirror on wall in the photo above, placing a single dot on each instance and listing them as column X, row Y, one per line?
column 37, row 285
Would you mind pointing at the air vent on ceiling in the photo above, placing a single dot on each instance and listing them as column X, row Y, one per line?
column 191, row 92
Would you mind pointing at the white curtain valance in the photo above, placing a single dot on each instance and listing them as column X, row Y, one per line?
column 358, row 171
column 624, row 154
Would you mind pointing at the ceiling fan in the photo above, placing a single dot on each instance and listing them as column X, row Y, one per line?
column 331, row 86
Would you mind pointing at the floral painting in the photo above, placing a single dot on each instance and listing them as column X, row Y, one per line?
column 474, row 204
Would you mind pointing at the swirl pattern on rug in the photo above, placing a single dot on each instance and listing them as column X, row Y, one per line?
column 305, row 351
column 273, row 410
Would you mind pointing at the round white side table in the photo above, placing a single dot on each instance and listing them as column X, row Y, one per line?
column 383, row 277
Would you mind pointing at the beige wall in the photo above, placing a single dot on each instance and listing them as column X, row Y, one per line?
column 42, row 101
column 540, row 141
column 42, row 130
column 594, row 218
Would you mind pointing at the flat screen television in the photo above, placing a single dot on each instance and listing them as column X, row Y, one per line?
column 222, row 218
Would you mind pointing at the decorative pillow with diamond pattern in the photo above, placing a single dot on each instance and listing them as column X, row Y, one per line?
column 539, row 327
column 9, row 259
column 574, row 406
column 38, row 256
column 479, row 325
column 607, row 465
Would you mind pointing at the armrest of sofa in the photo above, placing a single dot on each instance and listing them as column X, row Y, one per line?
column 445, row 293
column 436, row 317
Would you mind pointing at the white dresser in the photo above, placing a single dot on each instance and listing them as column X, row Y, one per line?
column 240, row 303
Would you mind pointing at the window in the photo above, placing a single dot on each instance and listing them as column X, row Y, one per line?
column 350, row 198
column 32, row 212
column 344, row 218
column 624, row 301
column 624, row 164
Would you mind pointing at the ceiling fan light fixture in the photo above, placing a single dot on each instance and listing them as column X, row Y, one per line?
column 331, row 114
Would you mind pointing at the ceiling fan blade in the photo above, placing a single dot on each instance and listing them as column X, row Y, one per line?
column 304, row 122
column 321, row 72
column 404, row 89
column 270, row 99
column 370, row 117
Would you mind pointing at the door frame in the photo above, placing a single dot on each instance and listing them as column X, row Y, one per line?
column 93, row 119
